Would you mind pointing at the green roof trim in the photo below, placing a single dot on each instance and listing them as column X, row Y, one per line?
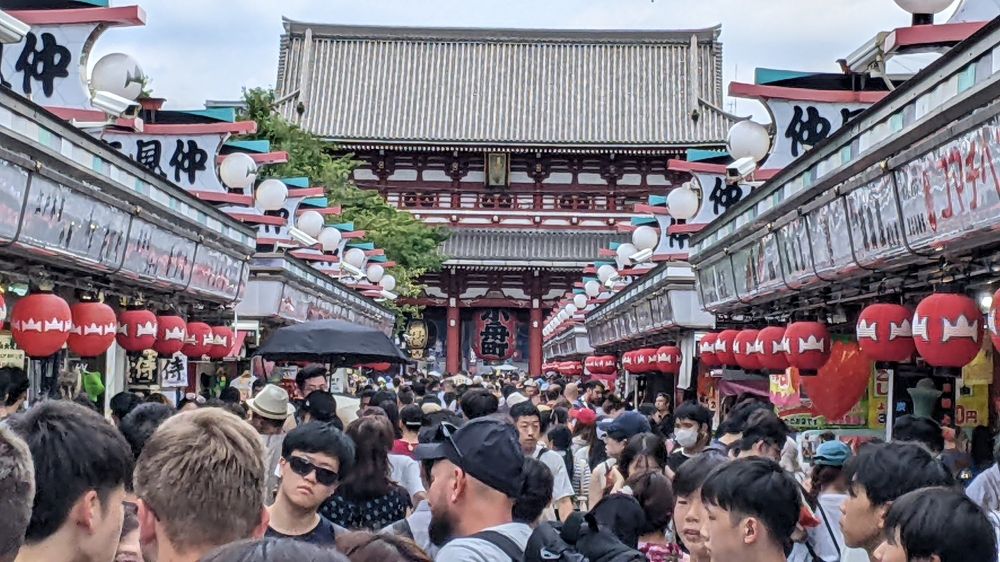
column 763, row 76
column 222, row 114
column 701, row 155
column 262, row 146
column 296, row 182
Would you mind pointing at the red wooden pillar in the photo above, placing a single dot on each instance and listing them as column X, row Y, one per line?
column 453, row 362
column 535, row 342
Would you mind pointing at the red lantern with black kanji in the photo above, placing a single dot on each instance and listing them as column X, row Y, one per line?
column 706, row 350
column 884, row 332
column 40, row 324
column 745, row 350
column 136, row 330
column 222, row 341
column 725, row 345
column 628, row 361
column 94, row 328
column 494, row 338
column 771, row 349
column 807, row 346
column 199, row 337
column 947, row 330
column 668, row 359
column 171, row 333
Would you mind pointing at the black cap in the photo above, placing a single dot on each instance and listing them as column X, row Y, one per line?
column 322, row 406
column 625, row 426
column 486, row 449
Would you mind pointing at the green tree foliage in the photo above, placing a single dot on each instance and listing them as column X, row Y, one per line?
column 407, row 241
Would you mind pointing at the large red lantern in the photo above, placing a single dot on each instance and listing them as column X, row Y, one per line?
column 724, row 348
column 600, row 364
column 645, row 360
column 884, row 332
column 94, row 328
column 378, row 367
column 807, row 346
column 668, row 360
column 628, row 361
column 496, row 330
column 171, row 332
column 706, row 350
column 571, row 368
column 745, row 350
column 771, row 349
column 947, row 330
column 199, row 337
column 222, row 341
column 40, row 324
column 136, row 330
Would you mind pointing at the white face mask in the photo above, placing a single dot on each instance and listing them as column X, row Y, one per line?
column 686, row 437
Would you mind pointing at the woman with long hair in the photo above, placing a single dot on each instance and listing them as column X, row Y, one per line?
column 826, row 496
column 646, row 452
column 367, row 498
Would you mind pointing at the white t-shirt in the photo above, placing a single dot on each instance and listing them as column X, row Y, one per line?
column 406, row 472
column 479, row 550
column 562, row 484
column 827, row 540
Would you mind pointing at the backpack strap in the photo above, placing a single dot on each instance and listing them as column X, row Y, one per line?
column 503, row 542
column 829, row 529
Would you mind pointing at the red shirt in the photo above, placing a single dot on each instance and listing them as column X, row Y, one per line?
column 400, row 447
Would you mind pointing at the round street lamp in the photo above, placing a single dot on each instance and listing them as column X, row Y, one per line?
column 375, row 272
column 593, row 288
column 355, row 257
column 330, row 239
column 683, row 202
column 238, row 170
column 580, row 301
column 310, row 222
column 271, row 195
column 748, row 139
column 605, row 272
column 388, row 283
column 118, row 74
column 645, row 238
column 923, row 10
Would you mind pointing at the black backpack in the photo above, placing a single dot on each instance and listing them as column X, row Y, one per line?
column 578, row 539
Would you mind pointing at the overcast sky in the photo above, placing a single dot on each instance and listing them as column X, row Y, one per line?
column 210, row 49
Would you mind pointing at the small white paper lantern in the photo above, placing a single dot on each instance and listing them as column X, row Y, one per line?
column 330, row 238
column 388, row 283
column 605, row 272
column 580, row 301
column 355, row 257
column 375, row 272
column 748, row 139
column 645, row 238
column 310, row 222
column 570, row 309
column 682, row 202
column 593, row 288
column 924, row 6
column 271, row 195
column 563, row 315
column 624, row 251
column 238, row 170
column 118, row 74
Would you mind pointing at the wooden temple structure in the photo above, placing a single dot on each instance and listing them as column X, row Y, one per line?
column 531, row 147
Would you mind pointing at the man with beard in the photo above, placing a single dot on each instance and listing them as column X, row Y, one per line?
column 475, row 480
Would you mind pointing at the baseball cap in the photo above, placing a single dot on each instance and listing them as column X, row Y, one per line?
column 586, row 416
column 516, row 398
column 322, row 406
column 832, row 453
column 486, row 449
column 625, row 425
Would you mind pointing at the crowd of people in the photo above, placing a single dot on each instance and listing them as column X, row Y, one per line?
column 495, row 469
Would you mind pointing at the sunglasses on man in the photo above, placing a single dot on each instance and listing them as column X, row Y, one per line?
column 303, row 467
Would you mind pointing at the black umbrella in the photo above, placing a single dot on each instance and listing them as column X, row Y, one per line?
column 339, row 343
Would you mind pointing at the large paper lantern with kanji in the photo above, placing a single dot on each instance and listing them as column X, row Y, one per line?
column 222, row 341
column 771, row 349
column 171, row 333
column 725, row 344
column 807, row 346
column 884, row 332
column 495, row 336
column 40, row 324
column 668, row 360
column 947, row 330
column 136, row 330
column 94, row 329
column 745, row 350
column 706, row 350
column 199, row 337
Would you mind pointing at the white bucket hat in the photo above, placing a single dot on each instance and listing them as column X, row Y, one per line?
column 271, row 403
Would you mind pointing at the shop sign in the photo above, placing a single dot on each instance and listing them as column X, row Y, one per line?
column 173, row 371
column 800, row 125
column 10, row 355
column 159, row 256
column 796, row 256
column 767, row 265
column 218, row 274
column 46, row 64
column 878, row 398
column 875, row 227
column 972, row 406
column 13, row 182
column 784, row 389
column 186, row 160
column 831, row 247
column 142, row 368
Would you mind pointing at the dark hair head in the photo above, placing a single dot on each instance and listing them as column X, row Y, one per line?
column 364, row 546
column 320, row 437
column 886, row 471
column 592, row 384
column 736, row 420
column 17, row 490
column 560, row 437
column 764, row 426
column 372, row 437
column 75, row 450
column 757, row 488
column 613, row 403
column 123, row 403
column 647, row 445
column 918, row 429
column 560, row 415
column 981, row 447
column 941, row 521
column 138, row 426
column 524, row 410
column 656, row 496
column 478, row 403
column 412, row 417
column 821, row 477
column 405, row 396
column 273, row 550
column 689, row 477
column 553, row 393
column 391, row 409
column 536, row 491
column 383, row 396
column 309, row 372
column 231, row 395
column 507, row 390
column 430, row 399
column 646, row 408
column 131, row 520
column 695, row 412
column 14, row 383
column 419, row 388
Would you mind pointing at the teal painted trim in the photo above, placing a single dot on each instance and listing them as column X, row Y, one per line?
column 258, row 146
column 222, row 114
column 614, row 245
column 700, row 155
column 657, row 200
column 362, row 245
column 344, row 226
column 598, row 264
column 97, row 3
column 320, row 202
column 763, row 76
column 585, row 279
column 296, row 182
column 378, row 259
column 639, row 221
